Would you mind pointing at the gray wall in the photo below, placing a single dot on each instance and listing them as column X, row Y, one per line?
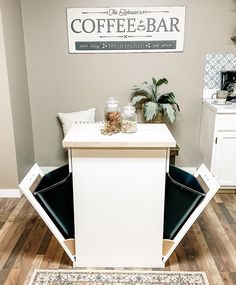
column 8, row 166
column 62, row 82
column 16, row 74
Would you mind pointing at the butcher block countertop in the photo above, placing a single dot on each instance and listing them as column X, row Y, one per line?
column 147, row 135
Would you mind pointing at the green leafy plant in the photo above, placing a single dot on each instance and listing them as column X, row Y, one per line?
column 146, row 97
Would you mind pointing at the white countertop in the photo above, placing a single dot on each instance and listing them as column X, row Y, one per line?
column 147, row 135
column 220, row 109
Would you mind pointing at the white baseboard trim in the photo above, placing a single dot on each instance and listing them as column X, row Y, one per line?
column 190, row 170
column 47, row 169
column 10, row 193
column 16, row 193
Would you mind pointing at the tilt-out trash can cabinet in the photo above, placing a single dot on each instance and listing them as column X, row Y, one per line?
column 183, row 194
column 118, row 216
column 51, row 195
column 55, row 194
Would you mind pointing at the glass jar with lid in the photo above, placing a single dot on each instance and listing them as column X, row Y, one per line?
column 112, row 116
column 129, row 119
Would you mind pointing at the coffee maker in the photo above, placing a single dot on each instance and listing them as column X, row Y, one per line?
column 228, row 83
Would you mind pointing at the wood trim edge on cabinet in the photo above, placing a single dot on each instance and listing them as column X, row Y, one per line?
column 70, row 244
column 167, row 245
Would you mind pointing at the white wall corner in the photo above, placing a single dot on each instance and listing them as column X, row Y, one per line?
column 10, row 193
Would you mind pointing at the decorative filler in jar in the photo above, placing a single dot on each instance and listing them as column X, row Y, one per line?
column 112, row 117
column 128, row 119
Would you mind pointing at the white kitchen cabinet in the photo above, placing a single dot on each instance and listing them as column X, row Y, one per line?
column 119, row 185
column 119, row 189
column 217, row 148
column 224, row 165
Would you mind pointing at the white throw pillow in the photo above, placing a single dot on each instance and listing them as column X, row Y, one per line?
column 68, row 119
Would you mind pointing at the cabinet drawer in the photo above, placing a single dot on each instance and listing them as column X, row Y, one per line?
column 225, row 122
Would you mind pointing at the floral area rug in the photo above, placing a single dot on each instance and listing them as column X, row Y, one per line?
column 79, row 277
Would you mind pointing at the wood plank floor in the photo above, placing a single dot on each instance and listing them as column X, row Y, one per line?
column 26, row 243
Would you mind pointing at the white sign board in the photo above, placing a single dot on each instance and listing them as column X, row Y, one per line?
column 128, row 29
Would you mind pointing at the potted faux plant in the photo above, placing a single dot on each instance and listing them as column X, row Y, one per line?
column 154, row 104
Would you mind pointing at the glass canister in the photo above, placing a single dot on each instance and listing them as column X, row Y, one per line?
column 129, row 119
column 112, row 116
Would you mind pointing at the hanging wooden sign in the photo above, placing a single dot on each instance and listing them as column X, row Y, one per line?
column 128, row 29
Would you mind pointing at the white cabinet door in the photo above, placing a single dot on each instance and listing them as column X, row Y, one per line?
column 119, row 206
column 224, row 164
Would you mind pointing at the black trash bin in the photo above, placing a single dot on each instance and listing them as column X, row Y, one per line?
column 183, row 193
column 55, row 194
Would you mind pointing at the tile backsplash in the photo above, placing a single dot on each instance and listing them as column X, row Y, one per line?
column 214, row 64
